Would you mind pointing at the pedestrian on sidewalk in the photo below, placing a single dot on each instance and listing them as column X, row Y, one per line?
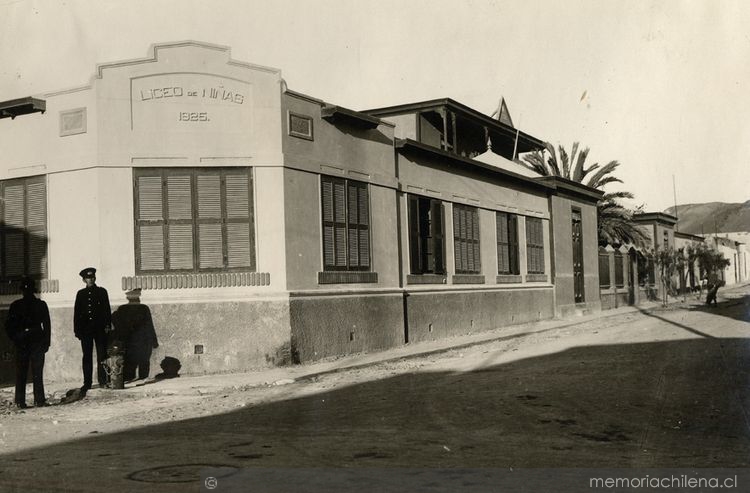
column 28, row 326
column 135, row 327
column 92, row 320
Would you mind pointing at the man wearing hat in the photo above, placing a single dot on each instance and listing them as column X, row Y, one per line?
column 135, row 327
column 28, row 327
column 92, row 318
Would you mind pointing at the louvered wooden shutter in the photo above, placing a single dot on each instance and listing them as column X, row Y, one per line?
column 180, row 225
column 535, row 245
column 530, row 240
column 513, row 244
column 150, row 223
column 357, row 224
column 468, row 236
column 328, row 223
column 239, row 229
column 13, row 217
column 436, row 230
column 459, row 255
column 414, row 235
column 503, row 252
column 36, row 227
column 346, row 218
column 210, row 241
column 339, row 214
column 352, row 223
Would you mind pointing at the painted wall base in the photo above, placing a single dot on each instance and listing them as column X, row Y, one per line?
column 437, row 314
column 334, row 325
column 205, row 337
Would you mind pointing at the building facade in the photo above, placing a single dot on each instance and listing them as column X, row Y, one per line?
column 267, row 227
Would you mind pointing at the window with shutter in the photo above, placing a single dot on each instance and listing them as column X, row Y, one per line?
column 23, row 229
column 426, row 235
column 534, row 246
column 346, row 224
column 466, row 239
column 507, row 243
column 194, row 220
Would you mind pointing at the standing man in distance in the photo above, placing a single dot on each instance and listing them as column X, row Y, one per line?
column 29, row 328
column 92, row 319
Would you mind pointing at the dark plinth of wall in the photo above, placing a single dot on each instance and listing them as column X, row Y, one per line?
column 611, row 299
column 334, row 325
column 437, row 314
column 205, row 337
column 62, row 361
column 223, row 336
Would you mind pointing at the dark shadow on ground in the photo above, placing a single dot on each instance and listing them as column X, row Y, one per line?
column 654, row 314
column 659, row 404
column 736, row 307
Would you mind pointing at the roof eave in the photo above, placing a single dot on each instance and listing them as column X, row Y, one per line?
column 418, row 146
column 22, row 106
column 338, row 113
column 578, row 189
column 530, row 142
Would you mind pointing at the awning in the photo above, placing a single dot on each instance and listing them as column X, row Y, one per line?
column 23, row 106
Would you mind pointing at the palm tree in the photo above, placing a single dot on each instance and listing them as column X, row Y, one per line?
column 615, row 220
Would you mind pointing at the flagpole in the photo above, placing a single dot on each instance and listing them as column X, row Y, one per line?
column 674, row 190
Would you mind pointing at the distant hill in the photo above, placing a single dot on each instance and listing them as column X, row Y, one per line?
column 712, row 217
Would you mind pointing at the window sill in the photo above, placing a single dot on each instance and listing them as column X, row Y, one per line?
column 426, row 279
column 536, row 277
column 508, row 279
column 343, row 277
column 187, row 281
column 467, row 279
column 43, row 286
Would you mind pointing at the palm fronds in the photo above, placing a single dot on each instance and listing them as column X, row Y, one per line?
column 615, row 220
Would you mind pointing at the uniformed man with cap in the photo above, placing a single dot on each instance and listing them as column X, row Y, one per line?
column 28, row 327
column 92, row 319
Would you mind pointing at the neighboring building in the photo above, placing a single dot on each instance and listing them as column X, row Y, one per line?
column 629, row 275
column 736, row 253
column 268, row 227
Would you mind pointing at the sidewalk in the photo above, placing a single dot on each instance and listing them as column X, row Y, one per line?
column 214, row 383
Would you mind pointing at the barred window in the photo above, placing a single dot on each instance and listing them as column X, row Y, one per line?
column 346, row 224
column 466, row 239
column 23, row 230
column 507, row 243
column 194, row 220
column 426, row 239
column 534, row 246
column 604, row 281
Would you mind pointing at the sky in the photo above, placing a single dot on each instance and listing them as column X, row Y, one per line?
column 660, row 86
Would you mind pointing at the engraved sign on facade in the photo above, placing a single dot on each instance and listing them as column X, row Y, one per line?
column 191, row 102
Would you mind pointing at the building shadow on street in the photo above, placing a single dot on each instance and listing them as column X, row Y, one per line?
column 736, row 307
column 672, row 403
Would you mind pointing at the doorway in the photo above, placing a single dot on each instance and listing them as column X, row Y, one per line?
column 578, row 286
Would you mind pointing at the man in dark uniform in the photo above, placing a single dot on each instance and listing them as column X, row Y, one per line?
column 135, row 327
column 28, row 327
column 92, row 318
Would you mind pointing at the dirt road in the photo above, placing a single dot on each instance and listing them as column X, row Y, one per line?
column 664, row 388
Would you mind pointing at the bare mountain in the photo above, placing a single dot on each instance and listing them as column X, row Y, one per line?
column 712, row 217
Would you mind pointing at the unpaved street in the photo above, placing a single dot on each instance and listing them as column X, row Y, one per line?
column 663, row 388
